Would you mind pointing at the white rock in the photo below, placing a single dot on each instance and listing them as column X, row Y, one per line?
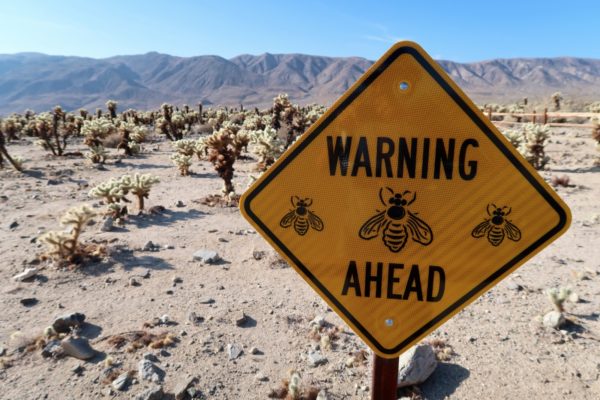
column 206, row 256
column 315, row 359
column 120, row 383
column 107, row 225
column 554, row 319
column 234, row 351
column 28, row 273
column 416, row 365
column 148, row 371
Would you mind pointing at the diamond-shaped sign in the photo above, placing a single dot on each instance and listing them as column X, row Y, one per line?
column 403, row 203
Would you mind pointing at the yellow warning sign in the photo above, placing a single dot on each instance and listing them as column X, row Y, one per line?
column 403, row 203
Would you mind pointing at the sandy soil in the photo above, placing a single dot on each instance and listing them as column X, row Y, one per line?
column 501, row 351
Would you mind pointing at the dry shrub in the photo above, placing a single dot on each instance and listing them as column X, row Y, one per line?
column 443, row 351
column 141, row 339
column 112, row 141
column 560, row 181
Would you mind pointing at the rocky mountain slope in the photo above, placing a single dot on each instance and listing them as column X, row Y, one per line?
column 38, row 81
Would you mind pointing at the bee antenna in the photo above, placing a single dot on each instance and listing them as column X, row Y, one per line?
column 381, row 195
column 308, row 201
column 296, row 198
column 488, row 208
column 413, row 199
column 509, row 210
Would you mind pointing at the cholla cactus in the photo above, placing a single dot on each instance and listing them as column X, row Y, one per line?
column 294, row 385
column 593, row 107
column 111, row 192
column 50, row 129
column 532, row 148
column 186, row 147
column 558, row 296
column 135, row 147
column 64, row 245
column 11, row 126
column 139, row 185
column 514, row 137
column 267, row 146
column 556, row 99
column 97, row 154
column 96, row 130
column 16, row 162
column 182, row 162
column 112, row 108
column 139, row 134
column 222, row 154
column 596, row 137
column 200, row 147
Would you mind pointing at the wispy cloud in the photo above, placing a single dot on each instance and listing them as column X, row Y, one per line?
column 389, row 39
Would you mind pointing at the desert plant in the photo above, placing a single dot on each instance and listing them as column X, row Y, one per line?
column 96, row 130
column 182, row 162
column 139, row 186
column 16, row 162
column 97, row 154
column 112, row 108
column 11, row 126
column 64, row 245
column 222, row 154
column 50, row 130
column 532, row 148
column 515, row 137
column 171, row 124
column 267, row 146
column 556, row 99
column 186, row 147
column 558, row 296
column 560, row 181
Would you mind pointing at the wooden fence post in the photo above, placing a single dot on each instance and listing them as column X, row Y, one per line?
column 545, row 116
column 533, row 118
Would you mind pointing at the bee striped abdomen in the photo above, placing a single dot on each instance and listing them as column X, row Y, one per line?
column 301, row 225
column 395, row 236
column 496, row 235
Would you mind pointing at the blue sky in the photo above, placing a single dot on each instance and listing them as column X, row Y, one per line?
column 454, row 30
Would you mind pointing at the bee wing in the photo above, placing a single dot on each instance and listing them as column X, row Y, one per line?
column 512, row 231
column 370, row 229
column 288, row 219
column 421, row 232
column 481, row 229
column 315, row 222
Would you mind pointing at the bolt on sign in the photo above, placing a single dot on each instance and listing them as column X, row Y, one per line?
column 403, row 203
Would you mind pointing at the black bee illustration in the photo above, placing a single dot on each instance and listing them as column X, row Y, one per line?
column 301, row 217
column 396, row 222
column 497, row 227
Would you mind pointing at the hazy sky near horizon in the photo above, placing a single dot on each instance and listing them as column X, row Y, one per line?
column 453, row 30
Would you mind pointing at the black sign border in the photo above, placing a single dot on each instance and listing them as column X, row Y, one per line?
column 477, row 121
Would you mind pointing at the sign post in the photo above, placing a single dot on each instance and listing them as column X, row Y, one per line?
column 403, row 204
column 384, row 381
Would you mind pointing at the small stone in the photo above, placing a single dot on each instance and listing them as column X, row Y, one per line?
column 206, row 256
column 260, row 377
column 150, row 357
column 148, row 371
column 154, row 393
column 206, row 300
column 150, row 246
column 177, row 279
column 78, row 369
column 107, row 225
column 573, row 298
column 318, row 321
column 2, row 351
column 65, row 323
column 195, row 319
column 121, row 382
column 165, row 320
column 179, row 204
column 168, row 247
column 315, row 358
column 255, row 351
column 53, row 182
column 13, row 225
column 77, row 347
column 322, row 395
column 258, row 255
column 29, row 301
column 350, row 361
column 28, row 273
column 554, row 320
column 134, row 282
column 223, row 240
column 511, row 285
column 241, row 319
column 145, row 274
column 183, row 385
column 416, row 365
column 52, row 349
column 234, row 351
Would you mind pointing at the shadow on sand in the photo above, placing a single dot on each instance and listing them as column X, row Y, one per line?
column 444, row 381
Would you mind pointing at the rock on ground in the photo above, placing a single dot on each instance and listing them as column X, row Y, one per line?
column 416, row 365
column 206, row 256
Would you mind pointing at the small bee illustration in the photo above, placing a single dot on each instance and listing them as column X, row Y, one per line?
column 396, row 222
column 497, row 227
column 301, row 217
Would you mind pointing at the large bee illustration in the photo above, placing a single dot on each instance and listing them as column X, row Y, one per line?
column 497, row 227
column 396, row 222
column 301, row 217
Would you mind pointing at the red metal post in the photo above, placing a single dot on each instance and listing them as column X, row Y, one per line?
column 533, row 116
column 545, row 116
column 384, row 383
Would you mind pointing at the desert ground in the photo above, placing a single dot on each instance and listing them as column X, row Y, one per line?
column 499, row 349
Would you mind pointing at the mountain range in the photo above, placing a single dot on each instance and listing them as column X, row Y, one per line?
column 38, row 81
